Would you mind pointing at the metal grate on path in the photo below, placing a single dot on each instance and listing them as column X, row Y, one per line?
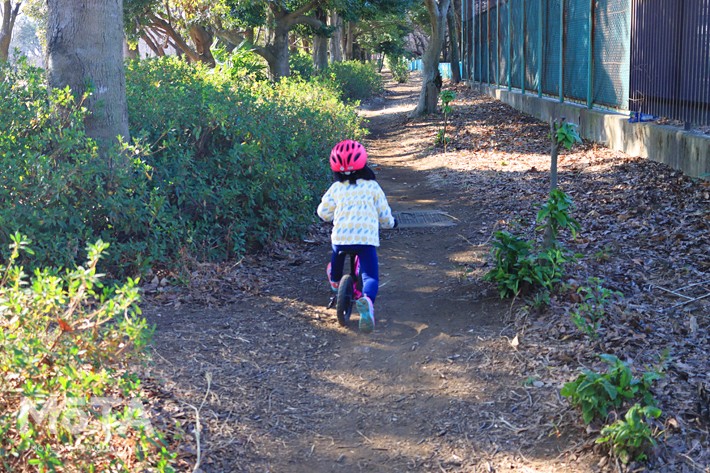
column 423, row 219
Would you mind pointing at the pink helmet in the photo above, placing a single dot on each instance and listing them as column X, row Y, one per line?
column 348, row 156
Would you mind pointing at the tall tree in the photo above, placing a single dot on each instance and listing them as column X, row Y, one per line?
column 9, row 14
column 431, row 85
column 320, row 41
column 284, row 19
column 336, row 39
column 85, row 52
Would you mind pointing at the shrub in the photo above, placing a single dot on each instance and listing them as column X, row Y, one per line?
column 54, row 185
column 217, row 167
column 68, row 395
column 356, row 80
column 301, row 65
column 242, row 63
column 399, row 67
column 238, row 166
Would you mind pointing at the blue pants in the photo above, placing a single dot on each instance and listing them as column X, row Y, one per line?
column 369, row 270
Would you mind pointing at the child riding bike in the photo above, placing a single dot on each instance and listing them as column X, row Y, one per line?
column 357, row 206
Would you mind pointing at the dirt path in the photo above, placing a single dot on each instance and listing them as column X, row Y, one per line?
column 437, row 386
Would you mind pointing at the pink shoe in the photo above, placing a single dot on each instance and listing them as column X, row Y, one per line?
column 333, row 285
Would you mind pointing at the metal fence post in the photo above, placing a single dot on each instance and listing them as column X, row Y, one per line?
column 463, row 45
column 522, row 49
column 480, row 44
column 540, row 58
column 497, row 44
column 562, row 49
column 509, row 64
column 488, row 43
column 590, row 57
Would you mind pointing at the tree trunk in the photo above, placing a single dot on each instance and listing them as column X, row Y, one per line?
column 336, row 41
column 349, row 42
column 431, row 79
column 202, row 39
column 154, row 45
column 277, row 54
column 180, row 45
column 453, row 37
column 320, row 52
column 9, row 15
column 320, row 44
column 85, row 47
column 276, row 51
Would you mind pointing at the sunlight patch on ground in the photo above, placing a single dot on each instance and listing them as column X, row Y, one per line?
column 403, row 108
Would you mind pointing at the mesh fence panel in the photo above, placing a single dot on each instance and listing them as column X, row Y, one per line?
column 477, row 48
column 612, row 52
column 651, row 56
column 504, row 43
column 654, row 71
column 551, row 48
column 532, row 40
column 576, row 60
column 516, row 42
column 485, row 61
column 493, row 62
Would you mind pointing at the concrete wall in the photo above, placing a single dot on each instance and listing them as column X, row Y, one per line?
column 686, row 151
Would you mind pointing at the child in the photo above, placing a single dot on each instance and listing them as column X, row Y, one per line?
column 357, row 206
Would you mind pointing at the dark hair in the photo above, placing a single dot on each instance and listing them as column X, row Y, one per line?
column 364, row 173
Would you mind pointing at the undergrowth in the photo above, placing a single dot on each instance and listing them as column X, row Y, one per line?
column 68, row 394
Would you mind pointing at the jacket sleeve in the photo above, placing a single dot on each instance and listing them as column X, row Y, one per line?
column 384, row 213
column 326, row 208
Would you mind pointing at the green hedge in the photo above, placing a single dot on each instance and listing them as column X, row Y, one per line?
column 356, row 80
column 217, row 168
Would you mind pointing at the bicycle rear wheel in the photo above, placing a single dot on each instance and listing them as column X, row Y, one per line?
column 344, row 304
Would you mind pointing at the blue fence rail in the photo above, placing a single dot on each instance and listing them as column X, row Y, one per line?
column 444, row 68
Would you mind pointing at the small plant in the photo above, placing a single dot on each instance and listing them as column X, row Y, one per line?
column 588, row 314
column 441, row 138
column 561, row 133
column 604, row 254
column 596, row 394
column 554, row 215
column 520, row 266
column 447, row 96
column 566, row 134
column 630, row 438
column 399, row 67
column 519, row 269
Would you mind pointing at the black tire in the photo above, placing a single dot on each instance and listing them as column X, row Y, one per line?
column 344, row 304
